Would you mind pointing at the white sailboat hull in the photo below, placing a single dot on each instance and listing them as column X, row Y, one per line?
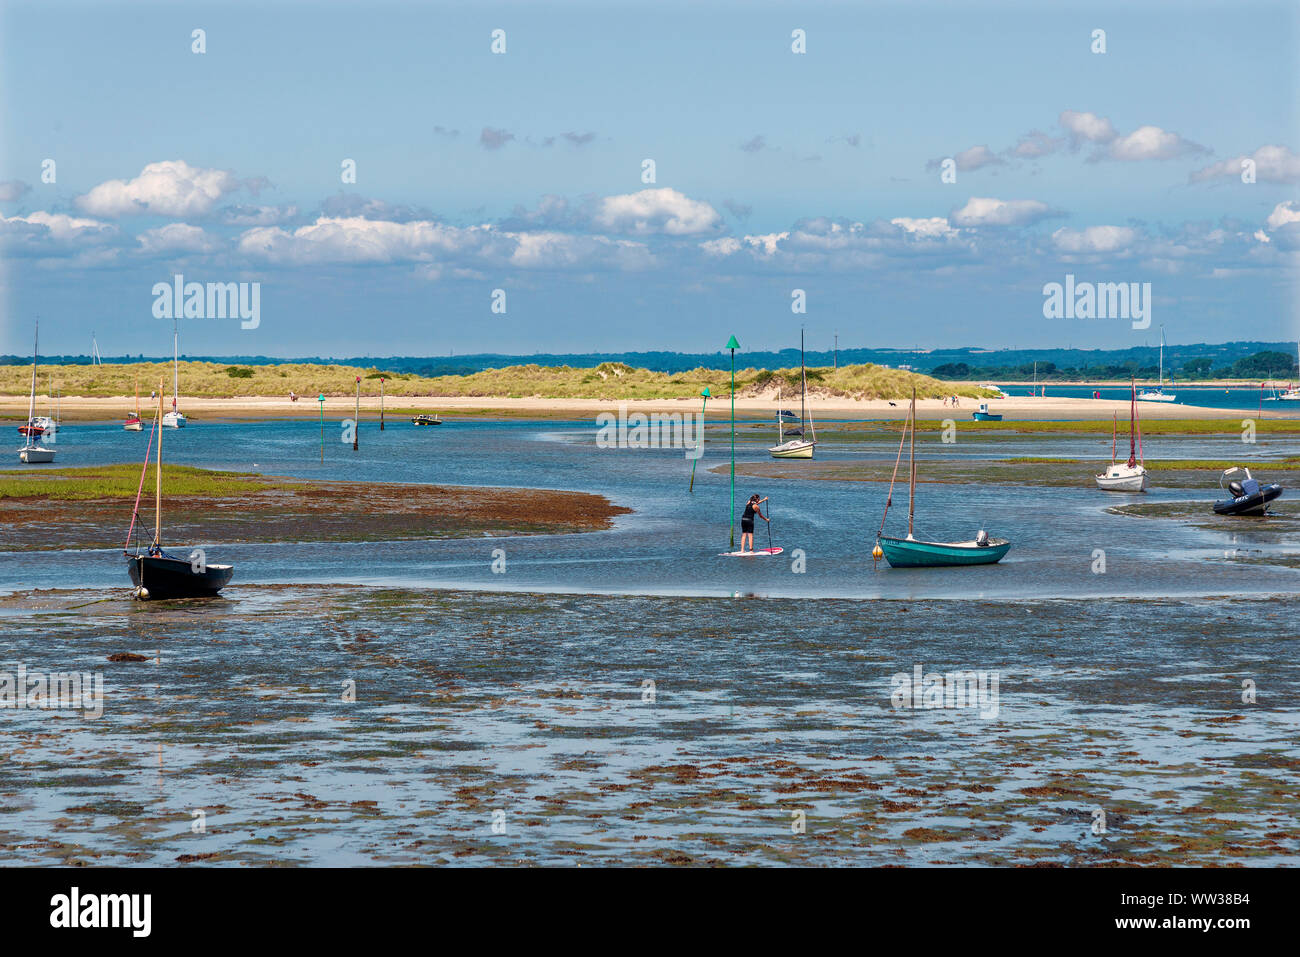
column 1122, row 478
column 174, row 420
column 1156, row 397
column 794, row 449
column 35, row 455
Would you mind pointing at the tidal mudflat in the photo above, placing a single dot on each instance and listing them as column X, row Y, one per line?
column 87, row 508
column 553, row 729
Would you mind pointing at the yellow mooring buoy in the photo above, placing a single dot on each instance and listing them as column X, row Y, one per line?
column 876, row 553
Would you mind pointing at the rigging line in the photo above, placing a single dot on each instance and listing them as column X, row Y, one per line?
column 135, row 513
column 890, row 497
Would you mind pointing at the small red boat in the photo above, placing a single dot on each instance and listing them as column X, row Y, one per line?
column 38, row 425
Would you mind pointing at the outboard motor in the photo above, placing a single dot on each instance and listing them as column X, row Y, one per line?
column 1236, row 489
column 982, row 538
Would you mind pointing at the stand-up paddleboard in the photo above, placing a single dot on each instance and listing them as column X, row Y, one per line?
column 761, row 553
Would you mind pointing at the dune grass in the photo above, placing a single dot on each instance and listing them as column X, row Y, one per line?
column 122, row 481
column 609, row 380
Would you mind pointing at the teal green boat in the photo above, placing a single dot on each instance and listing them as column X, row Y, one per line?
column 910, row 552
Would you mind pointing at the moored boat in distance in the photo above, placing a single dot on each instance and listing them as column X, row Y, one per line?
column 423, row 419
column 32, row 452
column 37, row 425
column 1158, row 394
column 132, row 422
column 797, row 447
column 1291, row 393
column 982, row 414
column 175, row 419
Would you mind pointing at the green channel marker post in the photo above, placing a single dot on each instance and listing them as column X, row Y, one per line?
column 733, row 345
column 703, row 409
column 321, row 399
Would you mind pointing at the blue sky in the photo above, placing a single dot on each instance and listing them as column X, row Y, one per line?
column 523, row 172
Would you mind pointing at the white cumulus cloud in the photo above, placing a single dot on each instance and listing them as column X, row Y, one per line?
column 933, row 227
column 1086, row 127
column 1151, row 143
column 1283, row 213
column 169, row 188
column 1273, row 164
column 656, row 211
column 982, row 211
column 176, row 238
column 1094, row 239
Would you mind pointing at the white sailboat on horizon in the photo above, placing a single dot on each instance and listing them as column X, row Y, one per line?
column 1158, row 394
column 1292, row 392
column 175, row 419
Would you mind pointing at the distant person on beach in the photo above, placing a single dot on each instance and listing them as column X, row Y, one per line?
column 747, row 522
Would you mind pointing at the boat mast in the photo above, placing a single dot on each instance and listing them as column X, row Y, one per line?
column 803, row 384
column 1132, row 423
column 31, row 405
column 1137, row 425
column 1114, row 430
column 1161, row 387
column 780, row 421
column 911, row 485
column 175, row 363
column 157, row 507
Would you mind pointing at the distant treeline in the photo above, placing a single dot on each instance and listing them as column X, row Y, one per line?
column 1268, row 364
column 1250, row 360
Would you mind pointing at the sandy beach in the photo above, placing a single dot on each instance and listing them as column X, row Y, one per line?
column 84, row 409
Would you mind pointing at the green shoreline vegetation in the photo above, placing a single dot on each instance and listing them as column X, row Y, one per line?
column 609, row 380
column 122, row 481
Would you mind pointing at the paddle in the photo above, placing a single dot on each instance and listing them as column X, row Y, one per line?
column 769, row 524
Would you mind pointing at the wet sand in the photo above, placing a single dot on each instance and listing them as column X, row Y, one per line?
column 524, row 730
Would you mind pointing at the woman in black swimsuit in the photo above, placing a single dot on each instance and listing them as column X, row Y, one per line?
column 747, row 522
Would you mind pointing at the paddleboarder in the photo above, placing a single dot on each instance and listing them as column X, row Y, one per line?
column 747, row 522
